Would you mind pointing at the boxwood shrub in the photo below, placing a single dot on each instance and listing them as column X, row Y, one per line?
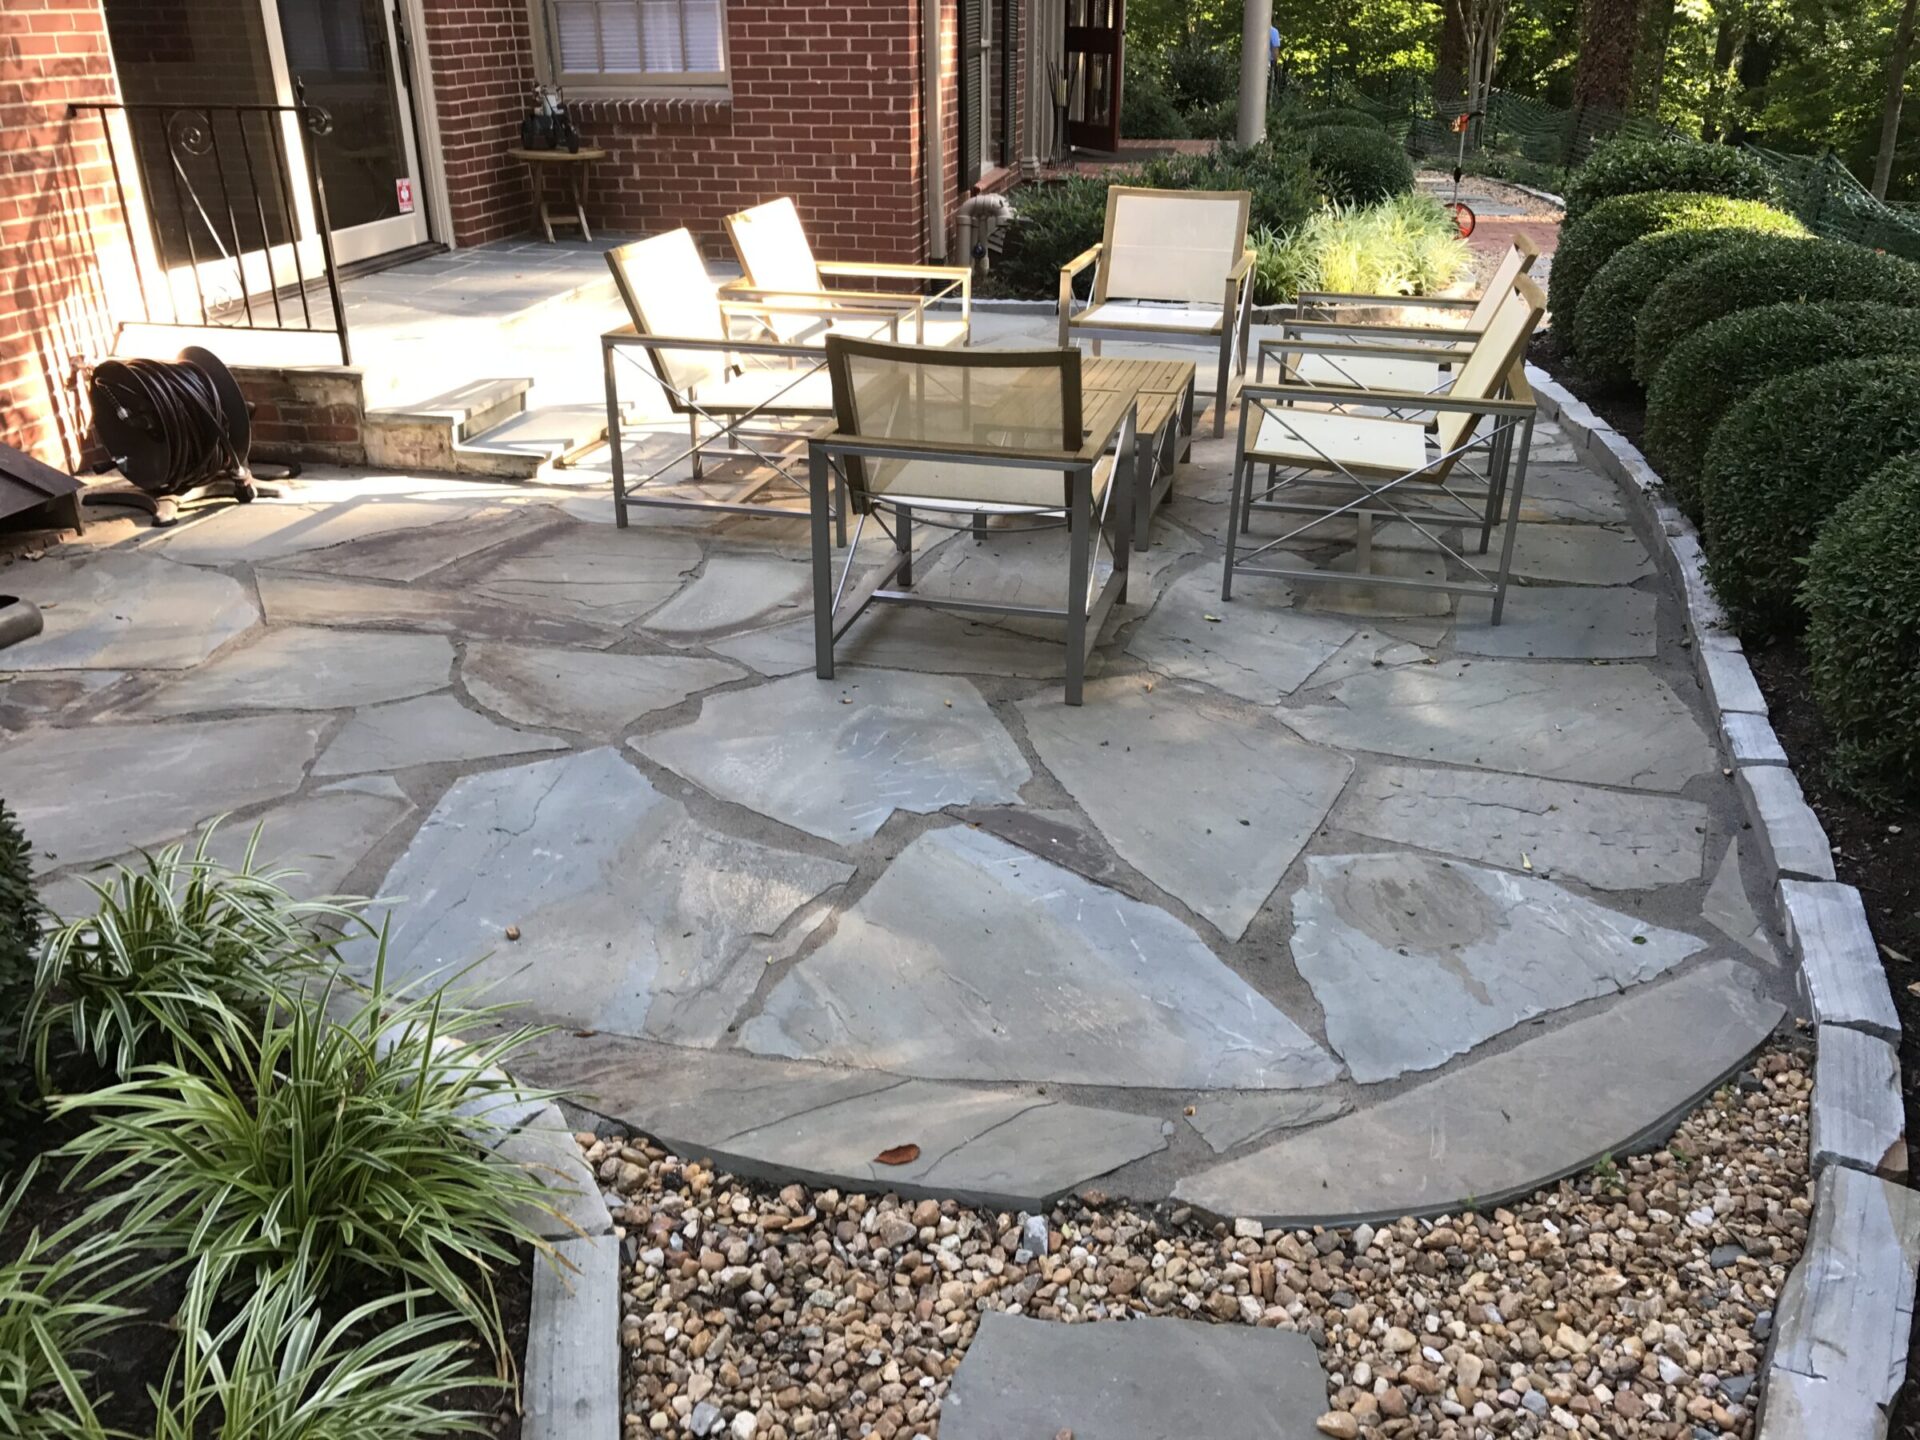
column 1603, row 325
column 1339, row 116
column 1779, row 465
column 1720, row 364
column 1862, row 598
column 1763, row 270
column 1616, row 223
column 1356, row 166
column 1626, row 166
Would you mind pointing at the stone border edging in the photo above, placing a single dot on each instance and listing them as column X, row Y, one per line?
column 1829, row 1369
column 1536, row 193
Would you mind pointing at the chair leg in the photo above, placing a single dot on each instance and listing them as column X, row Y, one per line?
column 1079, row 517
column 1222, row 383
column 1513, row 521
column 693, row 435
column 1240, row 472
column 819, row 481
column 614, row 448
column 1147, row 446
column 903, row 542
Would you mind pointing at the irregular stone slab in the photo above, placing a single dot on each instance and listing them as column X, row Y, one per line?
column 1791, row 838
column 1375, row 600
column 978, row 1144
column 294, row 599
column 430, row 730
column 298, row 668
column 1859, row 1117
column 1252, row 647
column 1604, row 838
column 1614, row 1081
column 41, row 699
column 632, row 918
column 895, row 637
column 102, row 790
column 1570, row 492
column 1060, row 836
column 1608, row 725
column 572, row 1385
column 584, row 691
column 1226, row 1119
column 1000, row 966
column 1561, row 623
column 272, row 530
column 1841, row 1327
column 1416, row 960
column 1206, row 806
column 1579, row 555
column 1142, row 1380
column 1839, row 965
column 1728, row 910
column 415, row 553
column 608, row 577
column 117, row 611
column 1750, row 740
column 734, row 590
column 836, row 758
column 1368, row 650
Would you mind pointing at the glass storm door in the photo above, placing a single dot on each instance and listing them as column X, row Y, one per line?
column 1095, row 36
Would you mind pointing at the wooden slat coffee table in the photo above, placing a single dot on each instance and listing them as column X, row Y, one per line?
column 1164, row 393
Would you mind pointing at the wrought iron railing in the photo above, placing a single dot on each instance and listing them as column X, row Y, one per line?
column 221, row 190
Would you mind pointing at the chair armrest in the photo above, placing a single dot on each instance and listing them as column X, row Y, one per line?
column 1244, row 266
column 821, row 299
column 913, row 272
column 1449, row 338
column 1347, row 297
column 1300, row 345
column 1081, row 261
column 1398, row 399
column 626, row 337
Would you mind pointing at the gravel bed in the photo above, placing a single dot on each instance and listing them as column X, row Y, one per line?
column 1440, row 183
column 1634, row 1301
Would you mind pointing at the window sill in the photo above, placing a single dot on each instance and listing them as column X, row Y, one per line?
column 679, row 105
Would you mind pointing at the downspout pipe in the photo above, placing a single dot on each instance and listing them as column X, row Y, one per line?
column 933, row 129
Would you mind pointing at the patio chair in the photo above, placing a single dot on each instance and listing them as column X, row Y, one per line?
column 1341, row 463
column 1186, row 247
column 960, row 435
column 712, row 358
column 779, row 266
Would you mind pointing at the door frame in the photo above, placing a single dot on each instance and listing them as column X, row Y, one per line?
column 1111, row 41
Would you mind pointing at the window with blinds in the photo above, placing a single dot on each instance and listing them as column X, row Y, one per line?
column 626, row 41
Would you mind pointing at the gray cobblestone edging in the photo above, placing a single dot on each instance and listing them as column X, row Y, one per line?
column 1838, row 1356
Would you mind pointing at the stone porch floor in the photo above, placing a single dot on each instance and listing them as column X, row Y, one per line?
column 1319, row 908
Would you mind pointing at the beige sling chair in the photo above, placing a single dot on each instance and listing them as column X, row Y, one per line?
column 779, row 266
column 720, row 364
column 1406, row 359
column 1186, row 247
column 1329, row 462
column 955, row 436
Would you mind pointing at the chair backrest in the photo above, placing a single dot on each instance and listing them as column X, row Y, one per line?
column 668, row 292
column 967, row 401
column 1171, row 244
column 1516, row 262
column 774, row 253
column 1500, row 345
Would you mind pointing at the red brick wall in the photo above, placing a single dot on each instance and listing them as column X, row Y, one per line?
column 56, row 210
column 482, row 61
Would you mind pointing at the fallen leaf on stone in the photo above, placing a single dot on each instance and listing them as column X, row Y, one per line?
column 1525, row 863
column 898, row 1155
column 513, row 932
column 1190, row 1110
column 1211, row 619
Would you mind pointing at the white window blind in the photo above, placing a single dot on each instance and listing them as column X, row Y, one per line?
column 630, row 39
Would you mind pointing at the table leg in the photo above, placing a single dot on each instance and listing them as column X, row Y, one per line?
column 540, row 201
column 580, row 200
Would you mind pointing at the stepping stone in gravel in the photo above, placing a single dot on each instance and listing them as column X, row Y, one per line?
column 972, row 960
column 631, row 916
column 735, row 590
column 1145, row 1379
column 1206, row 806
column 607, row 577
column 430, row 730
column 1729, row 911
column 1253, row 647
column 584, row 691
column 293, row 599
column 1604, row 838
column 1607, row 725
column 103, row 790
column 298, row 668
column 117, row 611
column 1561, row 623
column 1416, row 960
column 1579, row 555
column 836, row 758
column 1225, row 1118
column 1612, row 1081
column 272, row 530
column 899, row 637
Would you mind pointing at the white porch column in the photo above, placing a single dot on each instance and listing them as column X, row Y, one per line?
column 1256, row 21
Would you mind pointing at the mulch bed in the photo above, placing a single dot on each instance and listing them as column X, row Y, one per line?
column 1875, row 850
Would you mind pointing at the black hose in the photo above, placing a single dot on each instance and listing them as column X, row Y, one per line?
column 173, row 404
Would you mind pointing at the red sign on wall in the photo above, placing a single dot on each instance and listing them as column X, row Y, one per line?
column 403, row 192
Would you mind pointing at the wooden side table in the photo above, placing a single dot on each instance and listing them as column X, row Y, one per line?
column 569, row 165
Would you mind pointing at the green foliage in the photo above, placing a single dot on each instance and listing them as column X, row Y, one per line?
column 1763, row 270
column 19, row 942
column 1283, row 265
column 1862, row 598
column 1353, row 166
column 1520, row 169
column 1274, row 173
column 182, row 952
column 1147, row 111
column 1057, row 221
column 1337, row 115
column 1723, row 362
column 1623, row 167
column 1199, row 75
column 356, row 1147
column 1404, row 246
column 1603, row 325
column 60, row 1300
column 1616, row 222
column 1782, row 461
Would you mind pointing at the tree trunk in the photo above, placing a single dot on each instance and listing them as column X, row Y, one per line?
column 1450, row 58
column 1890, row 108
column 1603, row 72
column 1728, row 41
column 1653, row 56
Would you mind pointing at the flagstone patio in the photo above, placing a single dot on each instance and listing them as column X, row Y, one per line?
column 1309, row 912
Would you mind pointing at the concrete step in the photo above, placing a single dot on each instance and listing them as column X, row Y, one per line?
column 481, row 428
column 546, row 437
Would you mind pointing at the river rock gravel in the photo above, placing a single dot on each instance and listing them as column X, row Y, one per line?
column 1631, row 1301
